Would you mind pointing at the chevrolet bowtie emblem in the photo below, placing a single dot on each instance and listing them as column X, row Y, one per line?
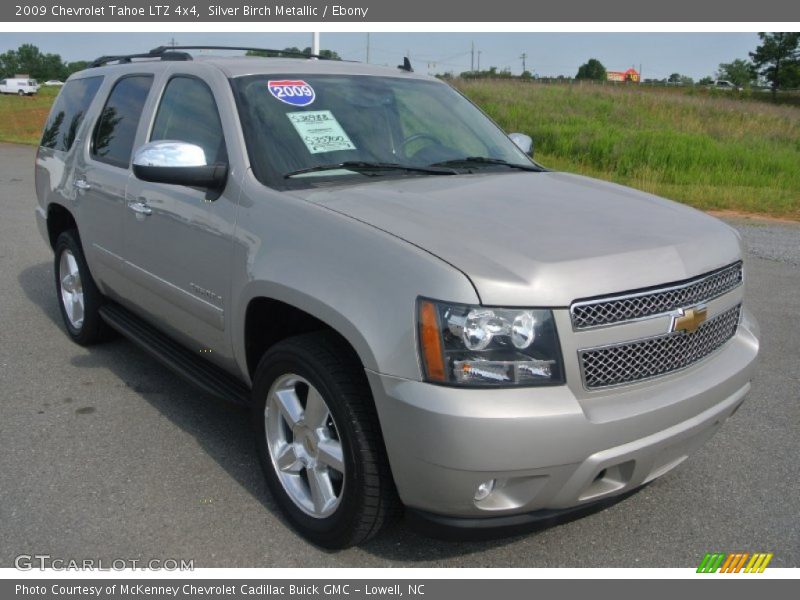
column 689, row 319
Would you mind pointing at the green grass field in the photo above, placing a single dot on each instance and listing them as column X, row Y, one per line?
column 22, row 118
column 714, row 152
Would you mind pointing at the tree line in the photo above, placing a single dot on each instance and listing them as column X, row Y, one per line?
column 29, row 60
column 775, row 62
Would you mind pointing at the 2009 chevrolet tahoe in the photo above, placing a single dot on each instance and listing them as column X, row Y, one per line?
column 418, row 313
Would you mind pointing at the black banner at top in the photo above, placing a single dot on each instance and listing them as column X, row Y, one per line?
column 344, row 11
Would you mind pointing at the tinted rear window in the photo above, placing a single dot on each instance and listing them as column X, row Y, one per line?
column 68, row 112
column 115, row 131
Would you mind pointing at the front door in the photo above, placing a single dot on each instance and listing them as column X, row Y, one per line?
column 177, row 238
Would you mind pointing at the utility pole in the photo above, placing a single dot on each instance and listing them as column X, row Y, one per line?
column 479, row 60
column 368, row 47
column 472, row 58
column 523, row 57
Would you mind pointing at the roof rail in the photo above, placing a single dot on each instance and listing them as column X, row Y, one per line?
column 173, row 53
column 128, row 58
column 162, row 49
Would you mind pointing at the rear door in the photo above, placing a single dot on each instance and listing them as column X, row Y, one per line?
column 178, row 248
column 101, row 174
column 62, row 141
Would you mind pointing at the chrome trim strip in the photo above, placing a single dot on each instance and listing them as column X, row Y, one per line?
column 194, row 305
column 596, row 388
column 652, row 292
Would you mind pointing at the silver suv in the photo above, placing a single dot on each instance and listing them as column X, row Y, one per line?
column 419, row 314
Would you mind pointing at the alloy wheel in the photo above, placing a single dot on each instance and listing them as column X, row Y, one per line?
column 304, row 445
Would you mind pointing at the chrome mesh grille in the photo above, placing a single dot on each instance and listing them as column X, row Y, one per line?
column 644, row 359
column 635, row 305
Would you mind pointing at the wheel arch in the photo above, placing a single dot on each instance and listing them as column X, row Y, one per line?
column 59, row 220
column 268, row 317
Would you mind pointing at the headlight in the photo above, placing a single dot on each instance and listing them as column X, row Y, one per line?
column 483, row 346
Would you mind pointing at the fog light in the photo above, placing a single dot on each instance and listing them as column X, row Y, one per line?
column 484, row 489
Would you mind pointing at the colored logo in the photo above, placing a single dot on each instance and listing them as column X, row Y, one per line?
column 292, row 91
column 734, row 563
column 689, row 320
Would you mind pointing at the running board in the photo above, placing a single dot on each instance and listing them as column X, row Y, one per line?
column 208, row 377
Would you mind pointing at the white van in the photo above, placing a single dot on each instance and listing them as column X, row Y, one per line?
column 21, row 87
column 724, row 85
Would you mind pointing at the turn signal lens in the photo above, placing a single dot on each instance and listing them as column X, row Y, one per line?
column 431, row 341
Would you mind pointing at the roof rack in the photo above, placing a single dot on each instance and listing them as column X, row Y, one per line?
column 128, row 58
column 174, row 53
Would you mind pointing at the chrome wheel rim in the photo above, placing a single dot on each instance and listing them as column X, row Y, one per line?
column 71, row 289
column 304, row 446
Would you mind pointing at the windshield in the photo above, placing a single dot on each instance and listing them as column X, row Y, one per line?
column 304, row 130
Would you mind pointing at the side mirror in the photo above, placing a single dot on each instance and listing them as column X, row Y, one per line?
column 523, row 142
column 177, row 163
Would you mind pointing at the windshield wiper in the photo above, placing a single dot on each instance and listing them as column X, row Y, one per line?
column 360, row 166
column 469, row 161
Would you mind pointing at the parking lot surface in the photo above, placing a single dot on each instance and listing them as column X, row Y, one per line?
column 106, row 454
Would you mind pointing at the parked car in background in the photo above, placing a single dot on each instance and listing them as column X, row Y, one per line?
column 21, row 87
column 724, row 85
column 53, row 83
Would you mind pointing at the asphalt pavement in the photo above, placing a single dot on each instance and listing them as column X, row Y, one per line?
column 104, row 453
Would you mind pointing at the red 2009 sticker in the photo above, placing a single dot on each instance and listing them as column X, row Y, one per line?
column 292, row 91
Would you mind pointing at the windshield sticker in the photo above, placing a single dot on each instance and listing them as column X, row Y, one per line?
column 320, row 131
column 292, row 91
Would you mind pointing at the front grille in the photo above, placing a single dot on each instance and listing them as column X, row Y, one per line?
column 647, row 303
column 643, row 359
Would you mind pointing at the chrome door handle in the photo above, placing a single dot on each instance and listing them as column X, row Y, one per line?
column 140, row 208
column 81, row 184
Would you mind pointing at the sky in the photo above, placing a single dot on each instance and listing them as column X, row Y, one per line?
column 659, row 54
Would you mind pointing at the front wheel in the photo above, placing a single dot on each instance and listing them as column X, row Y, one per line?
column 319, row 441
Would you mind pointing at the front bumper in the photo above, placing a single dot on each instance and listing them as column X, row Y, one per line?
column 549, row 448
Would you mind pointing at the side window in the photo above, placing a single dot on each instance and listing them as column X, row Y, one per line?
column 115, row 131
column 188, row 113
column 67, row 114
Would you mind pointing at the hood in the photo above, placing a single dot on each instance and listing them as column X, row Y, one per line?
column 541, row 239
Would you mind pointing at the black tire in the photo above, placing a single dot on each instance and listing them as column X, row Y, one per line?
column 20, row 93
column 368, row 497
column 93, row 330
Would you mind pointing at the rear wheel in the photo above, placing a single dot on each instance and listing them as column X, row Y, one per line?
column 78, row 297
column 319, row 441
column 20, row 93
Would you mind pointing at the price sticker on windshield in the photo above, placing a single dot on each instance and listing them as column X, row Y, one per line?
column 320, row 131
column 292, row 91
